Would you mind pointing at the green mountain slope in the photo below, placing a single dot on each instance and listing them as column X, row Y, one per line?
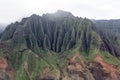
column 109, row 30
column 55, row 46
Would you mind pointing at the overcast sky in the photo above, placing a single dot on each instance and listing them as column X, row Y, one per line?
column 14, row 10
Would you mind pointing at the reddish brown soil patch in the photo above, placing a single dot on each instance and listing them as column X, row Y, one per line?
column 106, row 66
column 47, row 74
column 108, row 70
column 5, row 68
column 75, row 68
column 46, row 70
column 3, row 63
column 73, row 64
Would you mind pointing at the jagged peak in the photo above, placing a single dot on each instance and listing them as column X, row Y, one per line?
column 34, row 15
column 59, row 14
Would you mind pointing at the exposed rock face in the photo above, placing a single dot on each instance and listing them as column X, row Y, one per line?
column 98, row 69
column 6, row 70
column 2, row 27
column 3, row 63
column 3, row 66
column 75, row 69
column 103, row 71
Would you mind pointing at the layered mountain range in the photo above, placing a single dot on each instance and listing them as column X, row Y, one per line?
column 60, row 46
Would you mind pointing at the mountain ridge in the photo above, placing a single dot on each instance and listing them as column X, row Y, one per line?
column 58, row 46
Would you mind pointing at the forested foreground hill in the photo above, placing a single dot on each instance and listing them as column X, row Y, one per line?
column 59, row 46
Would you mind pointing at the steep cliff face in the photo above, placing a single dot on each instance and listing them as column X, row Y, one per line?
column 109, row 30
column 57, row 32
column 56, row 46
column 2, row 28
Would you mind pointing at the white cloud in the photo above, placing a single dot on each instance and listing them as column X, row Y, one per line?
column 12, row 10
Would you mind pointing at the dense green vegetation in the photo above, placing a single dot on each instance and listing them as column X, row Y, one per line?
column 109, row 31
column 50, row 32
